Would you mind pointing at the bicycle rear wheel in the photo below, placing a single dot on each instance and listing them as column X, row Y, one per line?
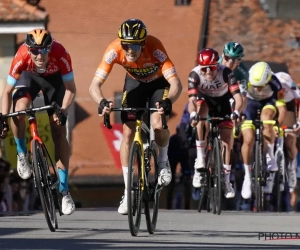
column 151, row 200
column 42, row 180
column 135, row 188
column 218, row 176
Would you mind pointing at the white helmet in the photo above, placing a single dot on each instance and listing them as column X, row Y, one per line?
column 260, row 74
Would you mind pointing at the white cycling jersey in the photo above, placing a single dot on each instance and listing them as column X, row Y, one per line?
column 290, row 89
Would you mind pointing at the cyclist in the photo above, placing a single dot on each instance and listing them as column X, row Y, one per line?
column 41, row 64
column 150, row 73
column 264, row 92
column 210, row 88
column 232, row 55
column 291, row 92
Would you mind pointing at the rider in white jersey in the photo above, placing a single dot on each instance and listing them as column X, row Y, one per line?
column 291, row 92
column 210, row 87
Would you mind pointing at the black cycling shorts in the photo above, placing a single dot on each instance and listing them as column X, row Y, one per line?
column 30, row 84
column 135, row 94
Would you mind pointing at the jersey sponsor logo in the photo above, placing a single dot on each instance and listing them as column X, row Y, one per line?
column 191, row 79
column 216, row 85
column 16, row 67
column 276, row 83
column 161, row 56
column 110, row 56
column 65, row 61
column 241, row 70
column 143, row 72
column 101, row 74
column 169, row 72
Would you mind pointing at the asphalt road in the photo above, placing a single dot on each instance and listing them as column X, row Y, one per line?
column 177, row 229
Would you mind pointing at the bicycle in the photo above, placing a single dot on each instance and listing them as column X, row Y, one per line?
column 143, row 187
column 280, row 177
column 214, row 170
column 44, row 172
column 260, row 175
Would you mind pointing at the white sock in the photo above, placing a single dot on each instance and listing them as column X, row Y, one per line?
column 247, row 171
column 280, row 142
column 125, row 176
column 271, row 150
column 163, row 153
column 200, row 149
column 227, row 169
column 292, row 164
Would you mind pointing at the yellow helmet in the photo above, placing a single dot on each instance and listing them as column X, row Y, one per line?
column 260, row 74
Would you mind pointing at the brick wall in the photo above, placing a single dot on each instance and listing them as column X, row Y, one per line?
column 86, row 28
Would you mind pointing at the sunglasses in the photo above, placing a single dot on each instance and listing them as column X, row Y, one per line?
column 134, row 47
column 234, row 59
column 211, row 68
column 42, row 51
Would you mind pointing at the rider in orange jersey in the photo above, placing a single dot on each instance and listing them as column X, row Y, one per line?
column 150, row 74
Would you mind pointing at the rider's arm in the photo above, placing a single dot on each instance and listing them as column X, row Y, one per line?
column 68, row 78
column 193, row 82
column 175, row 89
column 234, row 88
column 109, row 58
column 7, row 98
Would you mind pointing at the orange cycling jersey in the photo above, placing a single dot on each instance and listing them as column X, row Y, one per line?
column 152, row 63
column 59, row 60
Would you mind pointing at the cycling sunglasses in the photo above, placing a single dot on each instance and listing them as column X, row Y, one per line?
column 42, row 51
column 212, row 68
column 234, row 59
column 132, row 46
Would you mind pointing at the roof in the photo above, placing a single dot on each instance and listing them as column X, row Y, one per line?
column 13, row 11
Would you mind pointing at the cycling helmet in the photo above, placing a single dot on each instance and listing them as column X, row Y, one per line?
column 38, row 38
column 260, row 74
column 233, row 49
column 208, row 56
column 132, row 30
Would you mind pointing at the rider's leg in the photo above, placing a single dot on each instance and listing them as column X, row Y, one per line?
column 268, row 113
column 247, row 152
column 290, row 145
column 227, row 142
column 202, row 132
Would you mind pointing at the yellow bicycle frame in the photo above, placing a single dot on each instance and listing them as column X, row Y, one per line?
column 138, row 138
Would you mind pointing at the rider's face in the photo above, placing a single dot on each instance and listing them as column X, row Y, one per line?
column 132, row 51
column 39, row 57
column 231, row 62
column 209, row 72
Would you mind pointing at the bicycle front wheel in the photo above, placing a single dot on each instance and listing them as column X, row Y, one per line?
column 218, row 176
column 258, row 176
column 134, row 188
column 43, row 183
column 151, row 201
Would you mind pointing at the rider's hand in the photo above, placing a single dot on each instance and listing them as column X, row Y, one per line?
column 164, row 107
column 235, row 117
column 296, row 127
column 5, row 129
column 104, row 107
column 61, row 118
column 193, row 119
column 276, row 130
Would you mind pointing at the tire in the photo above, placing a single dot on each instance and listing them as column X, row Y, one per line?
column 152, row 201
column 43, row 183
column 280, row 161
column 257, row 183
column 134, row 188
column 218, row 176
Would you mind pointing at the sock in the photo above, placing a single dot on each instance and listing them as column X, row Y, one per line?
column 247, row 171
column 227, row 169
column 125, row 176
column 163, row 153
column 21, row 147
column 280, row 142
column 200, row 149
column 271, row 150
column 292, row 164
column 63, row 180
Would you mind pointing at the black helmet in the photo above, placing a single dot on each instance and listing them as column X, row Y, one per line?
column 38, row 38
column 132, row 30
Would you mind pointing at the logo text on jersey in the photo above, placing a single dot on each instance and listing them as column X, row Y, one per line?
column 143, row 72
column 110, row 56
column 161, row 56
column 66, row 63
column 16, row 66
